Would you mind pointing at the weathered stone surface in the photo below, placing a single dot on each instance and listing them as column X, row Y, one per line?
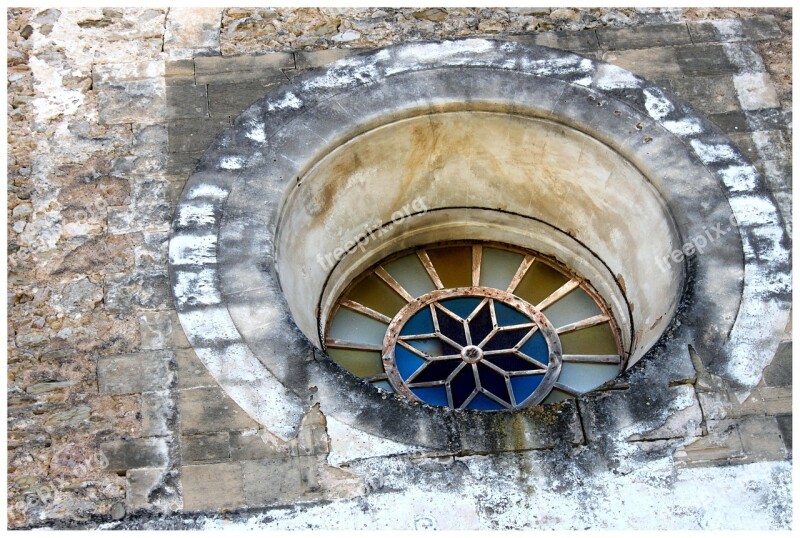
column 271, row 480
column 205, row 447
column 643, row 37
column 655, row 63
column 711, row 95
column 133, row 101
column 581, row 41
column 249, row 445
column 187, row 101
column 158, row 410
column 722, row 444
column 216, row 486
column 751, row 28
column 155, row 329
column 140, row 289
column 211, row 410
column 226, row 100
column 762, row 439
column 779, row 373
column 755, row 91
column 193, row 135
column 704, row 60
column 785, row 427
column 140, row 485
column 191, row 372
column 217, row 70
column 192, row 31
column 135, row 453
column 49, row 386
column 134, row 372
column 179, row 72
column 318, row 58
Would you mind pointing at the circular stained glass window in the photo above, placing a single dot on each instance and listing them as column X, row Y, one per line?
column 475, row 326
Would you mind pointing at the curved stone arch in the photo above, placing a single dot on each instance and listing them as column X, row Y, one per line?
column 287, row 130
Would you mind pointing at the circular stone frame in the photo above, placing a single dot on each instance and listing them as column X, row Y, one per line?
column 221, row 251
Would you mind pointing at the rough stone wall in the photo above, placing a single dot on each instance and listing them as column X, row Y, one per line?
column 110, row 412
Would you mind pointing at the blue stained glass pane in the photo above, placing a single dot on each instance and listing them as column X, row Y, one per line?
column 508, row 316
column 536, row 348
column 432, row 395
column 407, row 362
column 463, row 306
column 524, row 386
column 431, row 346
column 420, row 323
column 383, row 385
column 482, row 402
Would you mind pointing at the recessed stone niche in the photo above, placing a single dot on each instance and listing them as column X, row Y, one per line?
column 496, row 141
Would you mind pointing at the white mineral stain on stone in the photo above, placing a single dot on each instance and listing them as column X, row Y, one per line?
column 568, row 65
column 289, row 100
column 728, row 28
column 739, row 178
column 196, row 215
column 656, row 104
column 207, row 191
column 257, row 133
column 349, row 443
column 209, row 326
column 612, row 77
column 684, row 126
column 753, row 210
column 437, row 52
column 59, row 100
column 248, row 382
column 492, row 496
column 712, row 153
column 233, row 162
column 751, row 345
column 755, row 91
column 193, row 249
column 196, row 288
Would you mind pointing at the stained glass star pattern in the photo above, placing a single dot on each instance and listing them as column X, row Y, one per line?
column 471, row 353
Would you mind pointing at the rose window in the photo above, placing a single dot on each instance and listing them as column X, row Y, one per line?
column 475, row 326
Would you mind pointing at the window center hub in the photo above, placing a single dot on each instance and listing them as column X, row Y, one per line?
column 471, row 354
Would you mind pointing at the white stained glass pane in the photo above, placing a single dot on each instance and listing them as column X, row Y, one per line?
column 498, row 267
column 411, row 274
column 576, row 306
column 351, row 326
column 585, row 377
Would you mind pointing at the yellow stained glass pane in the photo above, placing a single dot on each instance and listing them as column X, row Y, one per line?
column 539, row 282
column 454, row 265
column 597, row 340
column 358, row 362
column 374, row 293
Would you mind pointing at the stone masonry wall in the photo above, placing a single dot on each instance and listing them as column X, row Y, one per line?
column 110, row 413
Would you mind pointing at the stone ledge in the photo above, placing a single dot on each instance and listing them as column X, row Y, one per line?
column 642, row 37
column 135, row 453
column 218, row 69
column 745, row 29
column 134, row 372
